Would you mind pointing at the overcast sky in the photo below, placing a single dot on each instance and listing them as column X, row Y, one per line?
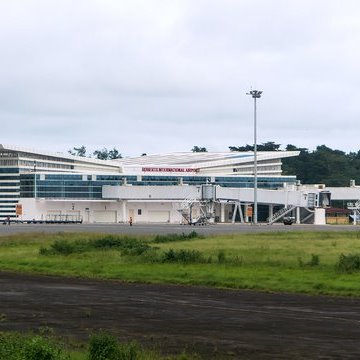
column 164, row 75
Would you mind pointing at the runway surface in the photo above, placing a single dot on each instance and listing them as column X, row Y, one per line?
column 167, row 228
column 215, row 323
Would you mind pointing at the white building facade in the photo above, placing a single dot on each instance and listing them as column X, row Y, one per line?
column 164, row 188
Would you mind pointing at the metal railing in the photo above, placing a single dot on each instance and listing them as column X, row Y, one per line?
column 281, row 213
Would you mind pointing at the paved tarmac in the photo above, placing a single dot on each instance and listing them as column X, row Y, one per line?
column 218, row 324
column 154, row 229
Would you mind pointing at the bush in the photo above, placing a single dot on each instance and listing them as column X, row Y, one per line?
column 348, row 263
column 193, row 234
column 40, row 348
column 237, row 260
column 183, row 256
column 103, row 346
column 176, row 237
column 65, row 247
column 221, row 256
column 11, row 346
column 14, row 346
column 129, row 351
column 314, row 261
column 129, row 246
column 111, row 242
column 58, row 247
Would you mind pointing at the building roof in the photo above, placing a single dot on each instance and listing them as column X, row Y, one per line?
column 208, row 162
column 191, row 162
column 201, row 159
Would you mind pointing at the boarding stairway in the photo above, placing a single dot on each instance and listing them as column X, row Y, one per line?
column 198, row 217
column 280, row 214
column 355, row 207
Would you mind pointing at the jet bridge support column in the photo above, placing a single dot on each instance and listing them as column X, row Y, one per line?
column 298, row 220
column 222, row 212
column 234, row 213
column 271, row 211
column 237, row 207
column 241, row 213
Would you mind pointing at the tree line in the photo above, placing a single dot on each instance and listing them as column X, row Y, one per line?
column 102, row 154
column 323, row 166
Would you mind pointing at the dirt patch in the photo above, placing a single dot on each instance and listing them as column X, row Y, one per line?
column 215, row 323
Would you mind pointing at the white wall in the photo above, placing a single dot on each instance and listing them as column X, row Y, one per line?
column 344, row 193
column 147, row 207
column 151, row 192
column 38, row 209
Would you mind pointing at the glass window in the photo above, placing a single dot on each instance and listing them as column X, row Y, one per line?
column 9, row 170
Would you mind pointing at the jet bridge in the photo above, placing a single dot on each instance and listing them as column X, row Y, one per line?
column 198, row 203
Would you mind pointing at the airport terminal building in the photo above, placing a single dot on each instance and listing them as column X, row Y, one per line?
column 153, row 188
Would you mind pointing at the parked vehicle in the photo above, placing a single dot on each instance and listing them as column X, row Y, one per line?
column 288, row 220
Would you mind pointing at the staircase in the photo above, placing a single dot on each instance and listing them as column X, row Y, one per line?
column 280, row 214
column 355, row 207
column 191, row 217
column 184, row 208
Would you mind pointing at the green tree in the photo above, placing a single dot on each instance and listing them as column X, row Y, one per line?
column 78, row 151
column 102, row 154
column 105, row 154
column 198, row 149
column 114, row 154
column 242, row 148
column 323, row 166
column 268, row 146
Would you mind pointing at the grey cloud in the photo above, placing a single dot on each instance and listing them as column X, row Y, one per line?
column 153, row 76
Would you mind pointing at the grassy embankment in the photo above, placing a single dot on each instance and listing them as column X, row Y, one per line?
column 303, row 262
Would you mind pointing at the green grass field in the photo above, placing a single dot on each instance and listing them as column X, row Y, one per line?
column 299, row 262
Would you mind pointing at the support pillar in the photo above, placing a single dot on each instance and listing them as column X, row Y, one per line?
column 271, row 211
column 319, row 216
column 222, row 212
column 241, row 213
column 298, row 220
column 234, row 213
column 124, row 215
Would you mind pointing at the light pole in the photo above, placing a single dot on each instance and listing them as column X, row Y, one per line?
column 256, row 94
